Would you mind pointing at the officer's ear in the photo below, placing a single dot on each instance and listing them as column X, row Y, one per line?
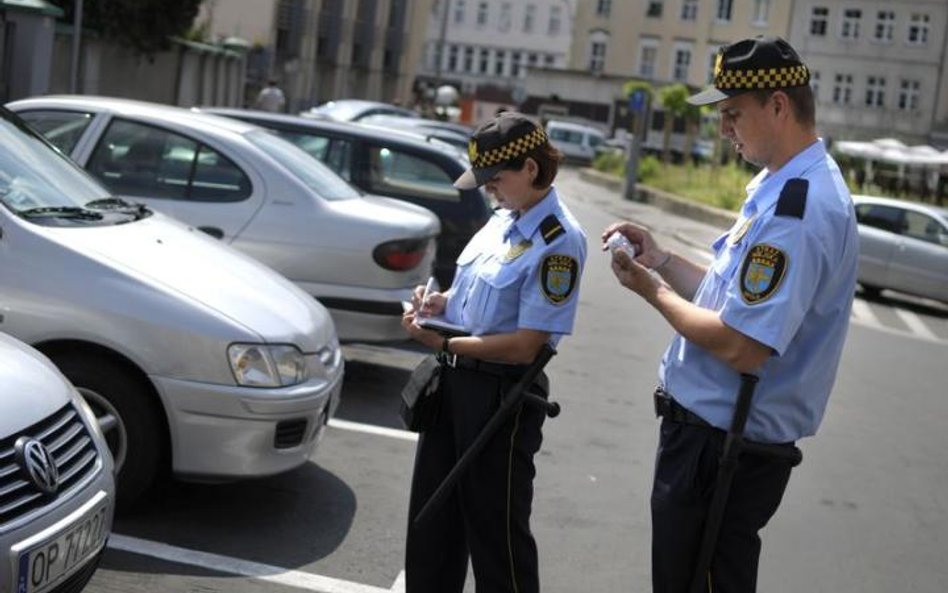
column 780, row 103
column 532, row 168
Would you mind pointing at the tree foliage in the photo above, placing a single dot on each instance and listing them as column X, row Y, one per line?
column 144, row 26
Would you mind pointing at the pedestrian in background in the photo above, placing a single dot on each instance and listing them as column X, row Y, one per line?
column 516, row 289
column 775, row 301
column 271, row 98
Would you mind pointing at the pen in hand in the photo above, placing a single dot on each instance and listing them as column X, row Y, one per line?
column 429, row 288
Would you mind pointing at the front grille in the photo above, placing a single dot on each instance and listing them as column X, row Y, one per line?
column 289, row 433
column 68, row 440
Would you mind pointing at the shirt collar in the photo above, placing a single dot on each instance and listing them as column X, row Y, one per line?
column 527, row 224
column 761, row 198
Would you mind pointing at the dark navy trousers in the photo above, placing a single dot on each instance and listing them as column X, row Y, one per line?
column 685, row 472
column 487, row 517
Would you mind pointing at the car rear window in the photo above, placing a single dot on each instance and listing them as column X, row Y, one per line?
column 315, row 175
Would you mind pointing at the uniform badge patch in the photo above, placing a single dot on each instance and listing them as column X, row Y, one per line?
column 761, row 273
column 558, row 277
column 517, row 250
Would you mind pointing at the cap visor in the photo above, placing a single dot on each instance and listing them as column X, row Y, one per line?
column 476, row 177
column 708, row 96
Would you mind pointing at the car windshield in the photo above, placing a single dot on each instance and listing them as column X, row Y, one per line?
column 35, row 177
column 315, row 175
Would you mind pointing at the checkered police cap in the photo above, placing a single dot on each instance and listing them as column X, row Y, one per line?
column 493, row 144
column 753, row 64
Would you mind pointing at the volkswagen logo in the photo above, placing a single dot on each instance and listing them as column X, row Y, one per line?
column 38, row 463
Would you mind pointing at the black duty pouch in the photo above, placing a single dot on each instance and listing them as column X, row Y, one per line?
column 421, row 396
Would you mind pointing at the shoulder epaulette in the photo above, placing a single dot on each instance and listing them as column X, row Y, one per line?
column 551, row 228
column 792, row 200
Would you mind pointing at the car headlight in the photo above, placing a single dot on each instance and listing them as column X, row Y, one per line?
column 260, row 365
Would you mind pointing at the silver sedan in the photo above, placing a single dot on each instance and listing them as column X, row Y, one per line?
column 903, row 247
column 359, row 255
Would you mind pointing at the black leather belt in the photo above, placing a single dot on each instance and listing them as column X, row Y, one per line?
column 498, row 369
column 666, row 407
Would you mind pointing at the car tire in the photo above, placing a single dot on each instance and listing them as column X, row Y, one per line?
column 128, row 414
column 871, row 292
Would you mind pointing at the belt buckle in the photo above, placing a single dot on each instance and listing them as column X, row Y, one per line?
column 448, row 359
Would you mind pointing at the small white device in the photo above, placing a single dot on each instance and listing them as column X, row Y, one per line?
column 617, row 241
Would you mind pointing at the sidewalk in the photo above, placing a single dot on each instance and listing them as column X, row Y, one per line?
column 696, row 224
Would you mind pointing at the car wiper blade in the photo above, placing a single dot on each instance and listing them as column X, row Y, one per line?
column 60, row 212
column 137, row 209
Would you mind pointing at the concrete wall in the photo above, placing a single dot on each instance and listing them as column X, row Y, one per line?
column 188, row 74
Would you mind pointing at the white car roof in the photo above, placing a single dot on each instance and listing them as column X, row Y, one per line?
column 935, row 211
column 96, row 104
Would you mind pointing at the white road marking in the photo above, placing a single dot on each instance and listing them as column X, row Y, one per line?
column 399, row 585
column 915, row 324
column 863, row 312
column 373, row 429
column 227, row 565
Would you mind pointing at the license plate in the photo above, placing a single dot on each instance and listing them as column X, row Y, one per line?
column 44, row 565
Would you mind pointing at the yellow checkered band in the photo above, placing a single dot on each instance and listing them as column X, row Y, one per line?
column 762, row 78
column 507, row 152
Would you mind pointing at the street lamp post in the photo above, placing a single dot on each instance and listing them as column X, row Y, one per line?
column 76, row 37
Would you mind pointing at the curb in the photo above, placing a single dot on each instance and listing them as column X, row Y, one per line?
column 664, row 200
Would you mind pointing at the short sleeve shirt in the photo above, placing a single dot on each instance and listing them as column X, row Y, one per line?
column 521, row 272
column 788, row 283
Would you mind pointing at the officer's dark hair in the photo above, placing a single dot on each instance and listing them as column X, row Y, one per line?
column 548, row 160
column 801, row 101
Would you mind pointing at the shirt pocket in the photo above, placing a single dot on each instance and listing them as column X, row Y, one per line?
column 498, row 289
column 726, row 262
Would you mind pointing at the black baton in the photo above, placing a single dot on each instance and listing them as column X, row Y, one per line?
column 507, row 407
column 734, row 445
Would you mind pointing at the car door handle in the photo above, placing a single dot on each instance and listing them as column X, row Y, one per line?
column 212, row 231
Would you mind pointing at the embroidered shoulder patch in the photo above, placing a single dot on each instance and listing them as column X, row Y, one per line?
column 558, row 275
column 761, row 273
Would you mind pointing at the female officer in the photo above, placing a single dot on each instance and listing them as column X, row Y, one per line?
column 515, row 289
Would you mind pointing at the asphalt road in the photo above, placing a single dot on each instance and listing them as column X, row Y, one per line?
column 867, row 511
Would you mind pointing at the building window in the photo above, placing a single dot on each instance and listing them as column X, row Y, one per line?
column 689, row 10
column 597, row 56
column 875, row 91
column 549, row 60
column 459, row 10
column 815, row 84
column 453, row 58
column 849, row 28
column 555, row 20
column 761, row 12
column 918, row 28
column 681, row 62
column 469, row 59
column 819, row 16
column 481, row 14
column 648, row 55
column 500, row 60
column 503, row 21
column 843, row 89
column 885, row 26
column 909, row 91
column 654, row 9
column 529, row 16
column 603, row 8
column 484, row 61
column 515, row 64
column 725, row 8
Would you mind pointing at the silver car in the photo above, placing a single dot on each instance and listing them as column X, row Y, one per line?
column 57, row 492
column 902, row 246
column 359, row 255
column 193, row 356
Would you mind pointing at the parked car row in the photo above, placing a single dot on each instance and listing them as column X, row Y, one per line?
column 360, row 255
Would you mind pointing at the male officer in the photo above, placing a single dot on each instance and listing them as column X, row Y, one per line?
column 775, row 301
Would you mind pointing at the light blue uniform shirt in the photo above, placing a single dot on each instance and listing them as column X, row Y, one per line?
column 804, row 319
column 509, row 277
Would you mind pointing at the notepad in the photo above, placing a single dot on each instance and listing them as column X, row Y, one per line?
column 443, row 327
